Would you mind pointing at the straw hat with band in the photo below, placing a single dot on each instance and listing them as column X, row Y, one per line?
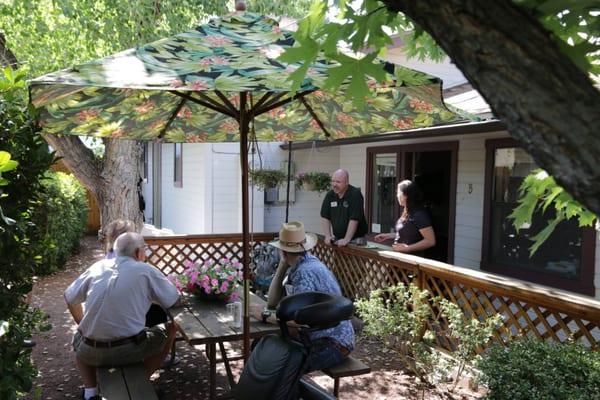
column 294, row 239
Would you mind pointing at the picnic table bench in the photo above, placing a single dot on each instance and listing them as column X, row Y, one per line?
column 127, row 382
column 349, row 367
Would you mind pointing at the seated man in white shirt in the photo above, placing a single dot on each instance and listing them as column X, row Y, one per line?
column 117, row 294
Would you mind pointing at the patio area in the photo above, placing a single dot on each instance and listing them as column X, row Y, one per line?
column 528, row 309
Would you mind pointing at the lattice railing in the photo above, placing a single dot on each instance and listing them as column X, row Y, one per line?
column 528, row 309
column 168, row 253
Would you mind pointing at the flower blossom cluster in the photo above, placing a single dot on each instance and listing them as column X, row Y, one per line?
column 211, row 278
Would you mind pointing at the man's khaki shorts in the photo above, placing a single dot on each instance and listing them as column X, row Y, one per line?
column 129, row 353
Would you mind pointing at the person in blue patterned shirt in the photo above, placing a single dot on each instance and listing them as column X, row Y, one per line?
column 302, row 272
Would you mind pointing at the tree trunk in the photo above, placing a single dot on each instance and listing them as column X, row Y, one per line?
column 113, row 180
column 549, row 105
column 7, row 58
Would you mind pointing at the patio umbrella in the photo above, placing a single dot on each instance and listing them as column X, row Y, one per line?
column 222, row 82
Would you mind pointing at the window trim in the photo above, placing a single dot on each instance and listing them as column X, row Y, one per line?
column 177, row 164
column 585, row 284
column 400, row 149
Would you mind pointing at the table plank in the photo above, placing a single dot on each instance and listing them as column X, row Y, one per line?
column 189, row 325
column 204, row 322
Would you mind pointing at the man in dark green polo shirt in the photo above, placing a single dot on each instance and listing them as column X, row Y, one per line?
column 342, row 212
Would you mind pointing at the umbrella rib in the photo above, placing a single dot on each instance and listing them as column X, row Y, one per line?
column 262, row 100
column 260, row 109
column 218, row 108
column 172, row 118
column 274, row 104
column 316, row 118
column 227, row 103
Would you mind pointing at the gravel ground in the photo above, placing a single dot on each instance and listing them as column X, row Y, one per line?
column 59, row 379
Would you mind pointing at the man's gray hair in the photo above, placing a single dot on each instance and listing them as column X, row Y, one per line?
column 127, row 243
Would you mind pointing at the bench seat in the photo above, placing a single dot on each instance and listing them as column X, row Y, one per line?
column 128, row 382
column 349, row 367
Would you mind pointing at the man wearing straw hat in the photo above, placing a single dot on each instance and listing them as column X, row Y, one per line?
column 306, row 273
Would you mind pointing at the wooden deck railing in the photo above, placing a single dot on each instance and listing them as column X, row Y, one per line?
column 528, row 309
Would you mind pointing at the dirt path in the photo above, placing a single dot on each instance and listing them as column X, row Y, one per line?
column 59, row 379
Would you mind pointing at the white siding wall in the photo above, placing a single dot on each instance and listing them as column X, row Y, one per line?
column 226, row 197
column 210, row 200
column 307, row 206
column 182, row 207
column 469, row 206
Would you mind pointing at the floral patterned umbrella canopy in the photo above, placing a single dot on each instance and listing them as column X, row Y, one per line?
column 186, row 88
column 208, row 84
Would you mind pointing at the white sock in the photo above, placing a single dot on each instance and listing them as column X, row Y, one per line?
column 90, row 392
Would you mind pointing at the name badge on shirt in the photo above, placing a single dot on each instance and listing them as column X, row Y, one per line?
column 334, row 204
column 289, row 289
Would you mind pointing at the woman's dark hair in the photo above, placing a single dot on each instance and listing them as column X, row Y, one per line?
column 414, row 197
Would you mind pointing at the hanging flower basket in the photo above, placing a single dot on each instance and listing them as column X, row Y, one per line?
column 313, row 181
column 267, row 178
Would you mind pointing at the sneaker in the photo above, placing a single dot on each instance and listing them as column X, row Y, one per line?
column 96, row 397
column 169, row 362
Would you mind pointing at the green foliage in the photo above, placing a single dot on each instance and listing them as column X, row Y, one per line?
column 61, row 213
column 572, row 23
column 403, row 318
column 575, row 26
column 267, row 178
column 48, row 35
column 398, row 316
column 540, row 191
column 6, row 164
column 532, row 369
column 469, row 333
column 18, row 137
column 314, row 180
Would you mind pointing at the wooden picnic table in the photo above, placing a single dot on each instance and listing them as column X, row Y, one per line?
column 208, row 323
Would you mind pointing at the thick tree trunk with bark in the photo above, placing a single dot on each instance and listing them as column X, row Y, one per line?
column 549, row 105
column 112, row 180
column 7, row 58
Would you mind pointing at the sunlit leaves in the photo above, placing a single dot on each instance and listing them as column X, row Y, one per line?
column 538, row 192
column 48, row 35
column 576, row 25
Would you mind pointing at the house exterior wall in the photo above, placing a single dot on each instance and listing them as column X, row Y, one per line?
column 307, row 205
column 469, row 193
column 182, row 206
column 210, row 199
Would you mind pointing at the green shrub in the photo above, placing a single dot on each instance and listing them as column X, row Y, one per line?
column 403, row 318
column 532, row 369
column 398, row 316
column 61, row 216
column 18, row 136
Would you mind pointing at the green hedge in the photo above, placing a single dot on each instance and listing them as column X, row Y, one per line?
column 61, row 217
column 18, row 258
column 531, row 369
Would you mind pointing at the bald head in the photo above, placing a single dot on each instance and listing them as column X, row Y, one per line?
column 127, row 244
column 339, row 182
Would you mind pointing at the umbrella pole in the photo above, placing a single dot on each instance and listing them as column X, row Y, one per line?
column 244, row 129
column 289, row 173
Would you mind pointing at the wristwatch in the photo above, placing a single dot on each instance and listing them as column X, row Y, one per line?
column 266, row 313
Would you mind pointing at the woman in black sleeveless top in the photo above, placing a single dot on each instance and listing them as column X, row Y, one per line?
column 414, row 232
